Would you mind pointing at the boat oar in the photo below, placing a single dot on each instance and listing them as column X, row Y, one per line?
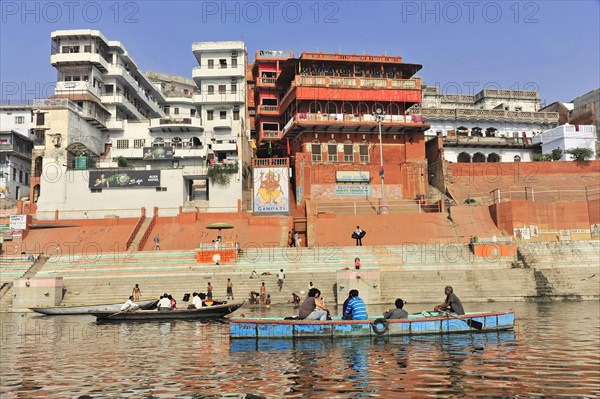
column 470, row 322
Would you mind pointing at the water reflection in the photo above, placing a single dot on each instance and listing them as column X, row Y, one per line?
column 548, row 354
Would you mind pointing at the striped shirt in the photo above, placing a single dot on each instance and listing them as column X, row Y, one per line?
column 356, row 308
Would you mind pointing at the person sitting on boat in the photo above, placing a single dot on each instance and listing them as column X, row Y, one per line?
column 356, row 309
column 313, row 307
column 173, row 302
column 398, row 313
column 451, row 304
column 253, row 297
column 129, row 305
column 196, row 301
column 164, row 304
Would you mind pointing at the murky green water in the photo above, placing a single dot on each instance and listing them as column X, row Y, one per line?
column 554, row 351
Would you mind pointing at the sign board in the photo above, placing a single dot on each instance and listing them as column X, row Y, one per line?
column 7, row 235
column 109, row 179
column 346, row 190
column 154, row 153
column 18, row 222
column 352, row 176
column 271, row 190
column 564, row 235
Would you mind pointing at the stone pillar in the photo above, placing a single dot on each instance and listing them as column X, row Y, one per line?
column 367, row 282
column 37, row 292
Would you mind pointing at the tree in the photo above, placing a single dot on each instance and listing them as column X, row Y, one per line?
column 122, row 162
column 557, row 154
column 537, row 157
column 580, row 154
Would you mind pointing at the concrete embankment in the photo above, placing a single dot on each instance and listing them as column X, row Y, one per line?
column 554, row 271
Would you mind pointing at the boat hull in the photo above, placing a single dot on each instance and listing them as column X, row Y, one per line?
column 414, row 325
column 207, row 312
column 86, row 309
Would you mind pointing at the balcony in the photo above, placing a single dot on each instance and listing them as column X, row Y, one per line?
column 268, row 110
column 270, row 134
column 121, row 101
column 216, row 97
column 80, row 58
column 204, row 72
column 266, row 82
column 269, row 162
column 78, row 87
column 171, row 124
column 486, row 115
column 488, row 142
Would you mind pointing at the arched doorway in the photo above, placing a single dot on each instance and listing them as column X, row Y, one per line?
column 517, row 158
column 493, row 157
column 478, row 157
column 463, row 157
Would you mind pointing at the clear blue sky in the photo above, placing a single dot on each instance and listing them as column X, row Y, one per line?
column 462, row 45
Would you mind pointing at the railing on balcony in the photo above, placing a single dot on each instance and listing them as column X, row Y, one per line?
column 271, row 134
column 268, row 108
column 175, row 121
column 268, row 81
column 352, row 117
column 491, row 114
column 268, row 162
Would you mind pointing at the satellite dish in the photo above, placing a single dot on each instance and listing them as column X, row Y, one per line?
column 378, row 111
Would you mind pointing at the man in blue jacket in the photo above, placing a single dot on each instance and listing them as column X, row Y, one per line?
column 355, row 310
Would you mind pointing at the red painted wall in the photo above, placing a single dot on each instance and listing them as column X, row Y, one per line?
column 362, row 94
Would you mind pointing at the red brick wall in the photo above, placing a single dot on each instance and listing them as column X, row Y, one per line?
column 546, row 215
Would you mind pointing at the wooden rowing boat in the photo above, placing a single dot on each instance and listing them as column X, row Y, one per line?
column 419, row 324
column 206, row 312
column 86, row 309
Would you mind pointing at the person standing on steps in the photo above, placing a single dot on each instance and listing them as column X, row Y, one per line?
column 296, row 239
column 263, row 293
column 357, row 263
column 358, row 235
column 229, row 289
column 157, row 243
column 209, row 291
column 280, row 277
column 137, row 293
column 451, row 304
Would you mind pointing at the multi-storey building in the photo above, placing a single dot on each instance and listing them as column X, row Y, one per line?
column 343, row 119
column 110, row 126
column 15, row 164
column 490, row 126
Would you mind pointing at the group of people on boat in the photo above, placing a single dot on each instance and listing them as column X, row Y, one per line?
column 313, row 307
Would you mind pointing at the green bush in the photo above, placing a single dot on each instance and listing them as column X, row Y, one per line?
column 580, row 153
column 220, row 173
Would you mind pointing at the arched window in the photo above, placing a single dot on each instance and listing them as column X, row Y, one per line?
column 38, row 166
column 362, row 109
column 332, row 154
column 377, row 106
column 517, row 158
column 476, row 132
column 195, row 142
column 493, row 157
column 315, row 148
column 331, row 108
column 478, row 157
column 177, row 142
column 347, row 109
column 348, row 151
column 464, row 157
column 315, row 107
column 364, row 152
column 158, row 142
column 490, row 132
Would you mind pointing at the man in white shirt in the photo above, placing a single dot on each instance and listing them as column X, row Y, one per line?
column 164, row 304
column 197, row 302
column 280, row 277
column 129, row 305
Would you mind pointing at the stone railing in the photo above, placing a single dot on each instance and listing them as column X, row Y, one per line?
column 485, row 114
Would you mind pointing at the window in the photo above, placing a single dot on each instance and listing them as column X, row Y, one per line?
column 222, row 89
column 209, row 115
column 26, row 178
column 193, row 112
column 122, row 144
column 236, row 114
column 348, row 151
column 518, row 108
column 234, row 62
column 167, row 110
column 211, row 89
column 158, row 142
column 517, row 158
column 68, row 78
column 20, row 176
column 223, row 114
column 233, row 88
column 177, row 142
column 19, row 120
column 211, row 64
column 364, row 152
column 14, row 174
column 223, row 63
column 316, row 152
column 87, row 49
column 176, row 111
column 332, row 154
column 139, row 143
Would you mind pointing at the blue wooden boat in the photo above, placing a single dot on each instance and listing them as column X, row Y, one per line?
column 419, row 324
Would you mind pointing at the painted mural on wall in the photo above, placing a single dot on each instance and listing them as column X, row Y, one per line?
column 106, row 179
column 271, row 190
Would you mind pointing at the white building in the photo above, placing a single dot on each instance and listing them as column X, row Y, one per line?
column 567, row 137
column 115, row 140
column 490, row 126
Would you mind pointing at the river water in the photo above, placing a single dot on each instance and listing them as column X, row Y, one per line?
column 553, row 352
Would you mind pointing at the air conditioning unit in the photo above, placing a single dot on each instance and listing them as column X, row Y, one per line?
column 234, row 53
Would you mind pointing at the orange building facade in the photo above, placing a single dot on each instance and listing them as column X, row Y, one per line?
column 339, row 118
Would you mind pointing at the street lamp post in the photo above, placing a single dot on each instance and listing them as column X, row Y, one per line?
column 379, row 115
